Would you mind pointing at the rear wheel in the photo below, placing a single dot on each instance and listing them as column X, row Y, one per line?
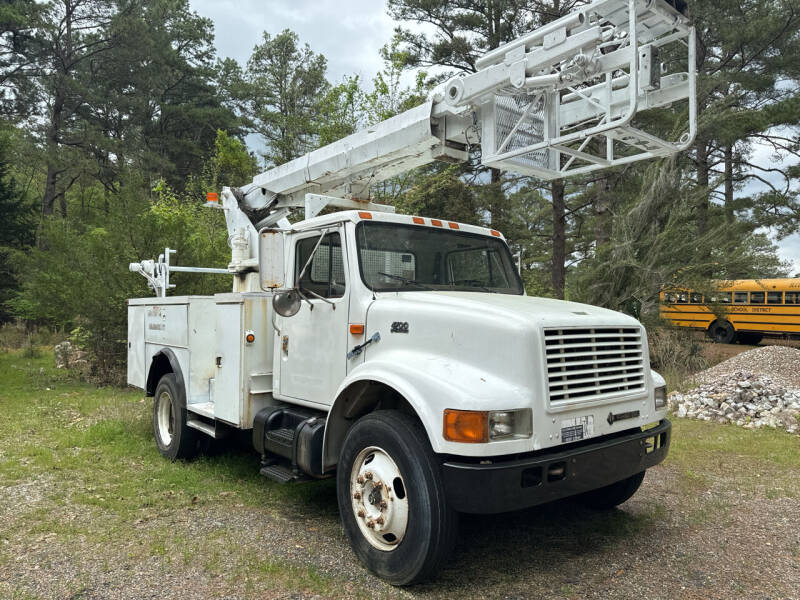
column 391, row 499
column 174, row 438
column 722, row 332
column 612, row 495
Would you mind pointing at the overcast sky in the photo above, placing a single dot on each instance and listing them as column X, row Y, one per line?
column 350, row 34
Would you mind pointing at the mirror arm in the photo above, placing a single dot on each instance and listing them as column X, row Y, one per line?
column 318, row 297
column 303, row 296
column 310, row 257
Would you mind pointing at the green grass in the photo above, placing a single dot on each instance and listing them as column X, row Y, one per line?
column 752, row 460
column 90, row 451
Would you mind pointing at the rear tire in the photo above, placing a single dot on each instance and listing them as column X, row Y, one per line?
column 391, row 498
column 612, row 495
column 174, row 438
column 722, row 332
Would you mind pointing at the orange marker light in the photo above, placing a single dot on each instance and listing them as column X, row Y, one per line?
column 436, row 222
column 453, row 225
column 212, row 197
column 356, row 329
column 250, row 338
column 495, row 233
column 365, row 215
column 418, row 220
column 466, row 426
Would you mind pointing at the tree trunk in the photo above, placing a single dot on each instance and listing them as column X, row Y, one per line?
column 49, row 198
column 701, row 207
column 602, row 212
column 729, row 183
column 559, row 238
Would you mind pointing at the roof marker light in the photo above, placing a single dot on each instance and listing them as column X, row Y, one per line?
column 495, row 233
column 418, row 220
column 436, row 222
column 364, row 215
column 453, row 225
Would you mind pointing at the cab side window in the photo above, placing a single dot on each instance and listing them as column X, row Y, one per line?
column 325, row 275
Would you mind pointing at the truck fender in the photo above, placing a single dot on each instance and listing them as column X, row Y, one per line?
column 164, row 361
column 387, row 375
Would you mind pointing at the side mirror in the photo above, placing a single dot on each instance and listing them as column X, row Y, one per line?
column 270, row 259
column 286, row 303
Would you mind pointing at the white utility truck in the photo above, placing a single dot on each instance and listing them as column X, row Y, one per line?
column 400, row 353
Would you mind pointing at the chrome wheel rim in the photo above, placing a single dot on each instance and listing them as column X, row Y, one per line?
column 165, row 418
column 379, row 498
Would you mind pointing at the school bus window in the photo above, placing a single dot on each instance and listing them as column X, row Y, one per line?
column 669, row 297
column 722, row 298
column 696, row 298
column 756, row 297
column 792, row 297
column 774, row 297
column 683, row 298
column 740, row 297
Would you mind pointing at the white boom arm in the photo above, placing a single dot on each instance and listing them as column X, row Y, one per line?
column 556, row 102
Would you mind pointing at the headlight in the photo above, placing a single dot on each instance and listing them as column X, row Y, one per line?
column 507, row 424
column 480, row 426
column 661, row 397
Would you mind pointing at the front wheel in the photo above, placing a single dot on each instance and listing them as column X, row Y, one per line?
column 391, row 499
column 722, row 332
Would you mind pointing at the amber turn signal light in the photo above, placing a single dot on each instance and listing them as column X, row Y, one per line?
column 466, row 426
column 356, row 329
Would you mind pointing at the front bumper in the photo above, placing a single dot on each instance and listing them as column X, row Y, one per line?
column 543, row 476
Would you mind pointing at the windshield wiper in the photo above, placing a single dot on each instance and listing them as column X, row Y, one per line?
column 405, row 280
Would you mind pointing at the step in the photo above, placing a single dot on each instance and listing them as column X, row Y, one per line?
column 207, row 428
column 282, row 437
column 282, row 474
column 202, row 408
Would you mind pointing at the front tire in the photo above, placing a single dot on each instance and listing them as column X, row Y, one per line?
column 174, row 438
column 608, row 497
column 391, row 498
column 722, row 332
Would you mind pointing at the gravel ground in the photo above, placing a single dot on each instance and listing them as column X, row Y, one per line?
column 754, row 389
column 781, row 363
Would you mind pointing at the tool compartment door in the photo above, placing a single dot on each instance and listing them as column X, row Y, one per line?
column 136, row 371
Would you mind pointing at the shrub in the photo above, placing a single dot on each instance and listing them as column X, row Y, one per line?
column 675, row 353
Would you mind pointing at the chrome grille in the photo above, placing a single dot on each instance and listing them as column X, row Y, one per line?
column 586, row 363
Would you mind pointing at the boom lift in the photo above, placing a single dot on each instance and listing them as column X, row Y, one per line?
column 401, row 351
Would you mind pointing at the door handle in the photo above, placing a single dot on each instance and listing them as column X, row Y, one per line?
column 376, row 337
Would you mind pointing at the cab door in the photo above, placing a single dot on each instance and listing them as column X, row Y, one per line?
column 312, row 344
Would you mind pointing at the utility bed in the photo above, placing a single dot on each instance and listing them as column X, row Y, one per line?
column 226, row 377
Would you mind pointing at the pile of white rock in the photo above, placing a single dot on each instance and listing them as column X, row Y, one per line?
column 746, row 397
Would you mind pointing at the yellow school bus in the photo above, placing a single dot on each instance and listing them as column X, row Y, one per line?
column 743, row 309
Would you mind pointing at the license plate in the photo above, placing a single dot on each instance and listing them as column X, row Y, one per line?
column 576, row 429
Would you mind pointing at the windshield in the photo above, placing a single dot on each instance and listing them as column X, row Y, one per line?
column 393, row 256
